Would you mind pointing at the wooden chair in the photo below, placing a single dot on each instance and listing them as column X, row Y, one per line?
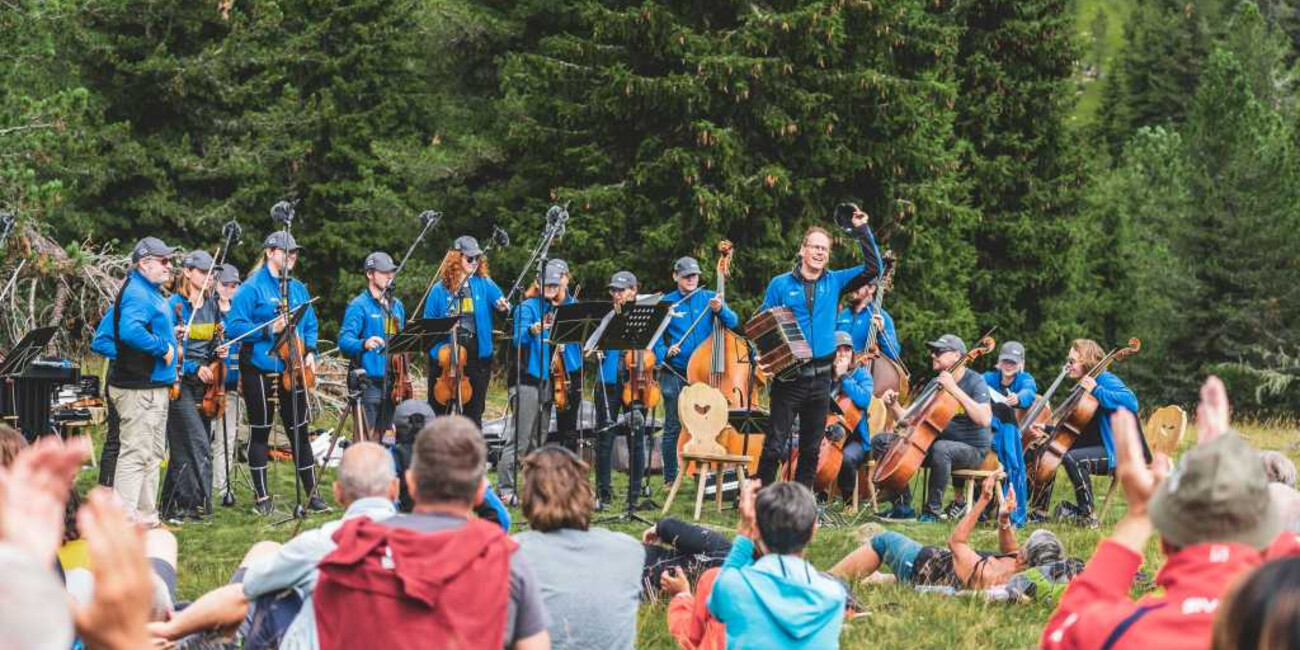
column 990, row 467
column 1163, row 431
column 877, row 415
column 703, row 412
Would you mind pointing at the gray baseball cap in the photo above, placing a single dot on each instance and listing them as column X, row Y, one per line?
column 199, row 259
column 1012, row 351
column 553, row 275
column 281, row 239
column 622, row 280
column 380, row 261
column 948, row 342
column 151, row 247
column 686, row 266
column 467, row 246
column 228, row 274
column 412, row 415
column 843, row 338
column 1217, row 493
column 558, row 263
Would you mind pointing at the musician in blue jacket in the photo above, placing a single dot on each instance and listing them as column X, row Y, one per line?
column 690, row 324
column 1010, row 380
column 371, row 319
column 257, row 312
column 566, row 419
column 466, row 289
column 534, row 392
column 1094, row 451
column 856, row 318
column 812, row 292
column 609, row 404
column 226, row 434
column 855, row 383
column 144, row 349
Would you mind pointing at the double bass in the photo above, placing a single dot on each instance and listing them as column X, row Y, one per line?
column 886, row 373
column 922, row 424
column 1072, row 418
column 722, row 361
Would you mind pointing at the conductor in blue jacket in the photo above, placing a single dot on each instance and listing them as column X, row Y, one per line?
column 811, row 291
column 371, row 319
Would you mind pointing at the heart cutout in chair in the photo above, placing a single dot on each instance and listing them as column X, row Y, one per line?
column 702, row 409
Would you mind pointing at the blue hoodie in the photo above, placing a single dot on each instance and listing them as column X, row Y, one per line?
column 257, row 302
column 859, row 386
column 484, row 294
column 779, row 602
column 365, row 318
column 535, row 348
column 819, row 323
column 858, row 325
column 145, row 332
column 1112, row 395
column 1006, row 437
column 683, row 313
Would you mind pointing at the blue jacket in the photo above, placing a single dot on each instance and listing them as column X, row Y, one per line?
column 1023, row 387
column 145, row 332
column 858, row 386
column 198, row 345
column 1112, row 395
column 256, row 302
column 535, row 349
column 818, row 325
column 683, row 313
column 232, row 359
column 572, row 353
column 484, row 294
column 363, row 319
column 611, row 367
column 103, row 343
column 858, row 324
column 779, row 602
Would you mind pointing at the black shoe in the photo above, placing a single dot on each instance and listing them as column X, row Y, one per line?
column 317, row 504
column 263, row 507
column 1037, row 516
column 954, row 510
column 645, row 505
column 600, row 504
column 228, row 500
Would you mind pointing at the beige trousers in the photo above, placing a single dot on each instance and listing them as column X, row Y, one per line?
column 144, row 441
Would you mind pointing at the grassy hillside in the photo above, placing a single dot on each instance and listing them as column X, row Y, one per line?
column 1100, row 28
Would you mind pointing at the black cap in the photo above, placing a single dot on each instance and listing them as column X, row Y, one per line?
column 199, row 259
column 686, row 266
column 467, row 246
column 151, row 247
column 622, row 280
column 227, row 274
column 380, row 261
column 281, row 239
column 410, row 416
column 948, row 343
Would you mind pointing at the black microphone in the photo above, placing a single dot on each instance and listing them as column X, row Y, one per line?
column 429, row 217
column 500, row 236
column 282, row 212
column 231, row 231
column 7, row 220
column 556, row 215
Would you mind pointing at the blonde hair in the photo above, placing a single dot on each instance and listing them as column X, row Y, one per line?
column 1090, row 353
column 556, row 492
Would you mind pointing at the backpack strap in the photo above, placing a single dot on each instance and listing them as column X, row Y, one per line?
column 1124, row 625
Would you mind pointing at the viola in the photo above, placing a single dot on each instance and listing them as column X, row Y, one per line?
column 560, row 375
column 641, row 386
column 213, row 405
column 1072, row 418
column 293, row 352
column 921, row 425
column 722, row 361
column 453, row 384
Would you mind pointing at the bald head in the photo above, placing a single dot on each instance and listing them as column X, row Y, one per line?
column 365, row 471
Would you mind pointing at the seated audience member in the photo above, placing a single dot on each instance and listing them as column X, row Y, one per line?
column 1263, row 612
column 1281, row 475
column 590, row 577
column 675, row 544
column 11, row 442
column 1215, row 518
column 689, row 621
column 958, row 566
column 366, row 487
column 409, row 418
column 780, row 600
column 437, row 577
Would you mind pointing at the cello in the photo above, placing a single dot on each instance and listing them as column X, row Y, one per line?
column 922, row 424
column 839, row 426
column 1072, row 418
column 722, row 362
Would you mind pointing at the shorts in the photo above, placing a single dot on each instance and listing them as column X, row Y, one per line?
column 898, row 552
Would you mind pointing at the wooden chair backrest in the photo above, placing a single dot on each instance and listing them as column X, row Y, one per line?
column 1164, row 430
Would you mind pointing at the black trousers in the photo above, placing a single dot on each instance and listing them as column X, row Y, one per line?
column 377, row 407
column 263, row 395
column 479, row 371
column 187, row 483
column 566, row 419
column 112, row 443
column 809, row 397
column 943, row 458
column 609, row 404
column 1080, row 463
column 690, row 547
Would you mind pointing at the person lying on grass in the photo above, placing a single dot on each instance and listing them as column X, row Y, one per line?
column 959, row 566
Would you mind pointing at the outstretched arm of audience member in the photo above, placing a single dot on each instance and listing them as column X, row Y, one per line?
column 729, row 580
column 220, row 608
column 1097, row 600
column 33, row 492
column 964, row 558
column 1007, row 542
column 115, row 619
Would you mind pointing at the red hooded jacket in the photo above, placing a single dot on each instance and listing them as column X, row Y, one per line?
column 690, row 622
column 1096, row 613
column 400, row 589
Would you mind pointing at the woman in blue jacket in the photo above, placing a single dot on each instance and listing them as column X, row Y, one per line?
column 1019, row 390
column 466, row 290
column 254, row 312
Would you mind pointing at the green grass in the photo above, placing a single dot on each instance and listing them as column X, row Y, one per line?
column 898, row 617
column 1094, row 51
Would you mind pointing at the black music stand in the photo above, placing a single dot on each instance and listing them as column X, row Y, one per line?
column 15, row 362
column 422, row 335
column 575, row 323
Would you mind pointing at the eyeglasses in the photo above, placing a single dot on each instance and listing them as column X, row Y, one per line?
column 472, row 259
column 817, row 248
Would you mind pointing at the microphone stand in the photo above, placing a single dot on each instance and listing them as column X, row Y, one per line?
column 283, row 213
column 428, row 219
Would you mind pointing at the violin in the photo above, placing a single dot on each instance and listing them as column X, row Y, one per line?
column 561, row 383
column 641, row 385
column 921, row 425
column 453, row 384
column 174, row 393
column 1072, row 418
column 213, row 405
column 291, row 350
column 399, row 368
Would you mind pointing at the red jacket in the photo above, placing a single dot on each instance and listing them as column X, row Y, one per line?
column 1095, row 612
column 399, row 589
column 690, row 622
